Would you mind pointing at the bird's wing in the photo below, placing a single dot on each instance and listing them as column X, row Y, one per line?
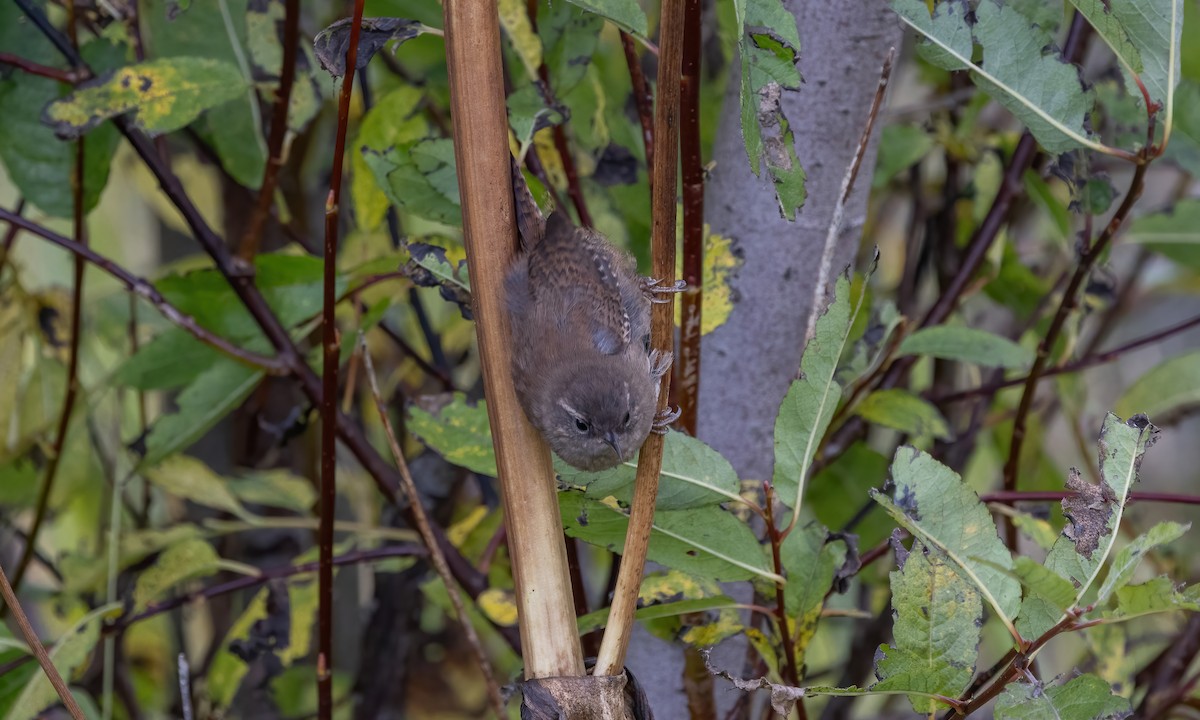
column 575, row 269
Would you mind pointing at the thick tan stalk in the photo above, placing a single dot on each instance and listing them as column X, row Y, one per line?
column 611, row 660
column 549, row 640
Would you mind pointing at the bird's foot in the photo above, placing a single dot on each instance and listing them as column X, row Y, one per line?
column 664, row 419
column 658, row 293
column 660, row 363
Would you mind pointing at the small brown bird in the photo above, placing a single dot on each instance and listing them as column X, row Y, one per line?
column 582, row 364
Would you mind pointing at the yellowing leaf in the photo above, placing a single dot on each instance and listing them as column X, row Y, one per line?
column 165, row 95
column 719, row 265
column 192, row 480
column 514, row 18
column 499, row 606
column 193, row 558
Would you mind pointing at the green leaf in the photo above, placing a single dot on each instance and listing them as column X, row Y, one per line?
column 808, row 407
column 1086, row 697
column 769, row 48
column 1166, row 390
column 901, row 410
column 811, row 559
column 1043, row 92
column 163, row 95
column 707, row 541
column 1095, row 512
column 966, row 344
column 693, row 475
column 1145, row 36
column 189, row 479
column 38, row 163
column 1047, row 596
column 201, row 405
column 900, row 147
column 69, row 653
column 215, row 30
column 457, row 431
column 1184, row 148
column 172, row 359
column 291, row 285
column 937, row 508
column 393, row 120
column 1158, row 595
column 1174, row 233
column 570, row 38
column 626, row 14
column 1125, row 562
column 419, row 177
column 837, row 493
column 190, row 559
column 264, row 40
column 936, row 631
column 275, row 488
column 528, row 113
column 1036, row 529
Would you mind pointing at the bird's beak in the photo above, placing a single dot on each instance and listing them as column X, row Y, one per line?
column 611, row 439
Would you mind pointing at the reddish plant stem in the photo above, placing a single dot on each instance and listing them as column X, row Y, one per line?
column 39, row 651
column 10, row 236
column 143, row 289
column 72, row 391
column 687, row 388
column 1017, row 666
column 791, row 672
column 1068, row 303
column 642, row 98
column 28, row 66
column 252, row 238
column 329, row 385
column 1081, row 364
column 383, row 474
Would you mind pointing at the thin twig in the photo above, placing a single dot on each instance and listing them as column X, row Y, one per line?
column 687, row 386
column 10, row 236
column 28, row 66
column 72, row 390
column 642, row 97
column 423, row 527
column 1066, row 305
column 329, row 385
column 144, row 289
column 251, row 239
column 185, row 685
column 611, row 659
column 249, row 581
column 1082, row 363
column 825, row 270
column 35, row 646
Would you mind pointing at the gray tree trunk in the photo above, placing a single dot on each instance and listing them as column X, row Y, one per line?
column 746, row 364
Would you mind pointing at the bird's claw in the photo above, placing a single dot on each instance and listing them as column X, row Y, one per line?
column 655, row 292
column 664, row 419
column 660, row 363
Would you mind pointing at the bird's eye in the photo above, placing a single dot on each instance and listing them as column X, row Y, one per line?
column 580, row 425
column 626, row 420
